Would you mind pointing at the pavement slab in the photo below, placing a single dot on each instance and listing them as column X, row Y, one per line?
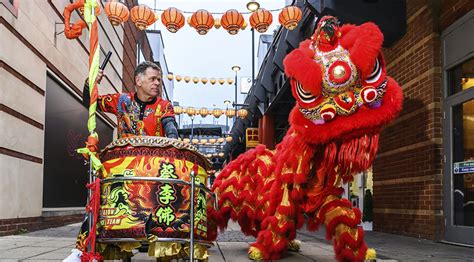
column 233, row 250
column 55, row 255
column 24, row 252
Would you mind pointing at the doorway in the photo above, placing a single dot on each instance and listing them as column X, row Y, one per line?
column 459, row 148
column 458, row 130
column 65, row 174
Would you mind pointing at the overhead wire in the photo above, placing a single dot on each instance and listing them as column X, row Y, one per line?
column 217, row 13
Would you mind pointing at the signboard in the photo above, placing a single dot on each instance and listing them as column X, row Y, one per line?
column 245, row 84
column 251, row 135
column 465, row 167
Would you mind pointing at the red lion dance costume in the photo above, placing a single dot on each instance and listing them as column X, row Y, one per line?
column 344, row 97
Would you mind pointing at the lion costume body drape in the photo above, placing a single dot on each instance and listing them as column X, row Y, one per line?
column 344, row 97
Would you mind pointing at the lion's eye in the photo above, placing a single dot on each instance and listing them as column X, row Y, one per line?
column 376, row 73
column 304, row 96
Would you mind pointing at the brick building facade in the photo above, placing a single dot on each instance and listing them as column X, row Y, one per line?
column 409, row 168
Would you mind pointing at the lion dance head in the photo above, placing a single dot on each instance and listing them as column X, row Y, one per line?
column 340, row 83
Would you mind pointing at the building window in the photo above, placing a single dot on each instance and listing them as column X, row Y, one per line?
column 461, row 77
column 140, row 57
column 11, row 5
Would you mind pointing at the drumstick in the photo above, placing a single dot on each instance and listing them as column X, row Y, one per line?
column 106, row 60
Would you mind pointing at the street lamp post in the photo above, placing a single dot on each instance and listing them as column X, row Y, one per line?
column 192, row 127
column 236, row 69
column 227, row 103
column 253, row 6
column 253, row 55
column 214, row 119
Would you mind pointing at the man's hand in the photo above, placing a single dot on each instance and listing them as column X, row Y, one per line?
column 100, row 75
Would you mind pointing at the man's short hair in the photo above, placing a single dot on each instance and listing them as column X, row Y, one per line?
column 143, row 66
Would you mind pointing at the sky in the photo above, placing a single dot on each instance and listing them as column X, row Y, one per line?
column 211, row 55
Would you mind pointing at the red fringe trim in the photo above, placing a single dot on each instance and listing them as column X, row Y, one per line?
column 93, row 207
column 347, row 246
column 357, row 155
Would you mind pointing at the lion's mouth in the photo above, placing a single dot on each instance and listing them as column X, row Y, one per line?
column 318, row 121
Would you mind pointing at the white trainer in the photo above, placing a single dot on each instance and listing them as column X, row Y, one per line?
column 75, row 256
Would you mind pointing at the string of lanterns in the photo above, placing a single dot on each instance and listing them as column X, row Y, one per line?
column 220, row 141
column 202, row 80
column 216, row 112
column 201, row 20
column 220, row 154
column 210, row 141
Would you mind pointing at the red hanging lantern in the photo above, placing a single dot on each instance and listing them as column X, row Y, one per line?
column 178, row 110
column 230, row 113
column 142, row 16
column 290, row 16
column 232, row 21
column 202, row 21
column 260, row 20
column 116, row 12
column 242, row 113
column 172, row 19
column 203, row 112
column 190, row 111
column 217, row 112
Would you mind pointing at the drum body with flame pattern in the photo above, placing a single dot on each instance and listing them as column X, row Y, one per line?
column 133, row 207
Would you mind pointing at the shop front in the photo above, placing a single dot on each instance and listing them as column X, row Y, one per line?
column 458, row 127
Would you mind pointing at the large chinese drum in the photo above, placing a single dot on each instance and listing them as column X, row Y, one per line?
column 134, row 206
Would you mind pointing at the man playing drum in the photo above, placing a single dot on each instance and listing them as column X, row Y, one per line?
column 144, row 113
